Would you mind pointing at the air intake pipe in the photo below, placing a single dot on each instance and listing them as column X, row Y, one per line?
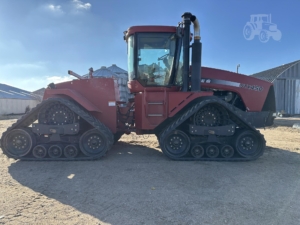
column 196, row 56
column 196, row 53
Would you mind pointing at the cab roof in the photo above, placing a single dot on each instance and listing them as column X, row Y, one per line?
column 144, row 29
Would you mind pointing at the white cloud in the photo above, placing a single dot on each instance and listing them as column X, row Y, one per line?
column 30, row 76
column 59, row 79
column 54, row 8
column 71, row 7
column 80, row 5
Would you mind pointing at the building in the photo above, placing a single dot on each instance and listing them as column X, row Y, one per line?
column 14, row 101
column 286, row 80
column 39, row 93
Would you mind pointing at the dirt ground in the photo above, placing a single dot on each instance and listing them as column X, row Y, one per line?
column 136, row 184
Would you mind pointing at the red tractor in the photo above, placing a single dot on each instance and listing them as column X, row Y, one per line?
column 197, row 113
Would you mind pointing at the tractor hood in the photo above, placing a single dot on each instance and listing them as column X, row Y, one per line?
column 253, row 91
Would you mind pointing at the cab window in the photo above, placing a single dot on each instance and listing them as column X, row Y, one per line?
column 155, row 56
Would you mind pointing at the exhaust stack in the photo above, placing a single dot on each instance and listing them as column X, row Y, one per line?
column 196, row 53
column 196, row 56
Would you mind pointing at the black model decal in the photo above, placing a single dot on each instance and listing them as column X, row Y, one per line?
column 222, row 82
column 233, row 84
column 252, row 87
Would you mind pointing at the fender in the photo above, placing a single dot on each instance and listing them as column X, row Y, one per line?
column 52, row 93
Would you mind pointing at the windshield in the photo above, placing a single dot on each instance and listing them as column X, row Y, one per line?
column 155, row 58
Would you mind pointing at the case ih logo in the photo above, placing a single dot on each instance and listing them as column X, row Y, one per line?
column 261, row 25
column 252, row 87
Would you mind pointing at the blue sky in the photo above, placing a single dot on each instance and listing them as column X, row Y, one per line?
column 40, row 40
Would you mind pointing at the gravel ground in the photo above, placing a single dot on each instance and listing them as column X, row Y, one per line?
column 135, row 184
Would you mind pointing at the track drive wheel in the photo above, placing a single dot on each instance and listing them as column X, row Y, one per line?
column 249, row 144
column 56, row 114
column 176, row 144
column 18, row 142
column 211, row 116
column 94, row 143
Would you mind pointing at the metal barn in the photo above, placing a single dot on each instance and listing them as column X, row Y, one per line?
column 286, row 80
column 16, row 101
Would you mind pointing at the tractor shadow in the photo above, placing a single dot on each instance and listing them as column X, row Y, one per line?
column 136, row 184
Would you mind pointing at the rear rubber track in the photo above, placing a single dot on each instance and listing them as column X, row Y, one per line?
column 32, row 116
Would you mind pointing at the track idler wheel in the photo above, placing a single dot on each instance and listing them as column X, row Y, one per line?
column 39, row 151
column 93, row 143
column 212, row 151
column 70, row 151
column 18, row 142
column 197, row 151
column 227, row 151
column 249, row 144
column 176, row 144
column 55, row 151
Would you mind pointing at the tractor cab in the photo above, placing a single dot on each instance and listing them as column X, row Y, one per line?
column 159, row 57
column 159, row 70
column 154, row 57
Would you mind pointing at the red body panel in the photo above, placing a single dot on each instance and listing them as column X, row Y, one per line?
column 178, row 100
column 135, row 87
column 253, row 91
column 94, row 95
column 153, row 107
column 155, row 104
column 74, row 95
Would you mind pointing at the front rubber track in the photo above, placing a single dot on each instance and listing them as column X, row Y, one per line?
column 235, row 115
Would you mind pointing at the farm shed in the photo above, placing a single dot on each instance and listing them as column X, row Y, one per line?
column 16, row 101
column 39, row 93
column 286, row 80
